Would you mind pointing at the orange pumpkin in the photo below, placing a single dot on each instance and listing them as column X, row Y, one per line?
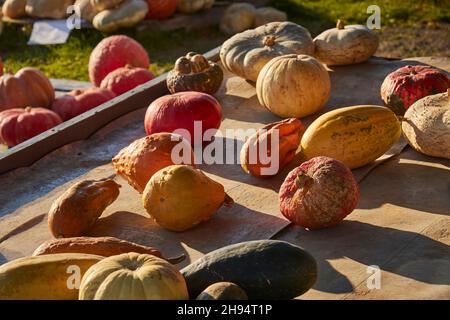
column 29, row 87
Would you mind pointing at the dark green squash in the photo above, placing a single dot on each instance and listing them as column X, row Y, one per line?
column 264, row 269
column 194, row 73
column 223, row 291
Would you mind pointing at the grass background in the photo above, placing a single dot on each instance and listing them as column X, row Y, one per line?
column 71, row 59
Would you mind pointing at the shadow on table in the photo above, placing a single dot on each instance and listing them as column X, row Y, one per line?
column 405, row 253
column 3, row 259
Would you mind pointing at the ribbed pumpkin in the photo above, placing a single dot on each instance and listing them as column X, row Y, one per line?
column 194, row 73
column 406, row 85
column 161, row 9
column 29, row 87
column 246, row 53
column 113, row 53
column 293, row 86
column 79, row 101
column 18, row 125
column 125, row 79
column 133, row 276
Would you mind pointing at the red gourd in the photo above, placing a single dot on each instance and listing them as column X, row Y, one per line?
column 161, row 9
column 113, row 53
column 406, row 85
column 124, row 79
column 20, row 124
column 319, row 193
column 79, row 101
column 28, row 87
column 180, row 111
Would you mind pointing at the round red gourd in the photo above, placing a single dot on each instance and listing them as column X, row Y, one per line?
column 124, row 79
column 79, row 101
column 115, row 52
column 319, row 193
column 20, row 124
column 180, row 111
column 28, row 87
column 406, row 85
column 161, row 9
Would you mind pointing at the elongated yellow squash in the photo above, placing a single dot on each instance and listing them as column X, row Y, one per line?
column 47, row 277
column 355, row 135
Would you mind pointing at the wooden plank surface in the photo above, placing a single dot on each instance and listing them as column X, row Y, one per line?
column 401, row 223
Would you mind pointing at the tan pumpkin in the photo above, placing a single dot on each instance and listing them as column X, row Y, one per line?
column 345, row 44
column 14, row 9
column 191, row 6
column 268, row 14
column 101, row 5
column 28, row 87
column 293, row 86
column 426, row 125
column 128, row 14
column 133, row 276
column 53, row 9
column 246, row 53
column 237, row 17
column 87, row 9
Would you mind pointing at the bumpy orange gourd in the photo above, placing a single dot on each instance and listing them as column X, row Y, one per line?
column 264, row 146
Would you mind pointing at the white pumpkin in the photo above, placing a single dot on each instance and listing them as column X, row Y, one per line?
column 238, row 17
column 426, row 125
column 52, row 9
column 345, row 45
column 192, row 6
column 246, row 53
column 293, row 86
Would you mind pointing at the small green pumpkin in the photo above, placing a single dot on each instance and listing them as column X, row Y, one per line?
column 194, row 72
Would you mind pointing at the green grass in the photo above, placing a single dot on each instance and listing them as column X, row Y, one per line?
column 71, row 59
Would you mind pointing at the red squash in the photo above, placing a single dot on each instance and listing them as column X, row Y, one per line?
column 28, row 87
column 180, row 111
column 124, row 79
column 18, row 125
column 403, row 87
column 79, row 101
column 319, row 193
column 161, row 9
column 115, row 52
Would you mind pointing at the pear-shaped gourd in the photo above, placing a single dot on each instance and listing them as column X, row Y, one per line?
column 180, row 197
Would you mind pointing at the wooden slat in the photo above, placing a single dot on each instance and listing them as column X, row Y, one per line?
column 84, row 125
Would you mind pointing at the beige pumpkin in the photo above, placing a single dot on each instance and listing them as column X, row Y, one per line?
column 14, row 9
column 133, row 276
column 238, row 17
column 293, row 86
column 268, row 14
column 246, row 53
column 86, row 9
column 426, row 125
column 52, row 9
column 192, row 6
column 101, row 5
column 345, row 45
column 128, row 14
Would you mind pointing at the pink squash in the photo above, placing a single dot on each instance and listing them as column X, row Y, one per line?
column 319, row 193
column 124, row 79
column 79, row 101
column 20, row 124
column 115, row 52
column 180, row 111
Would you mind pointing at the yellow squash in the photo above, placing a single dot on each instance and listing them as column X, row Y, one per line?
column 47, row 277
column 355, row 135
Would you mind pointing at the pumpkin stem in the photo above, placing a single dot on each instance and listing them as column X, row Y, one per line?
column 269, row 41
column 448, row 92
column 340, row 24
column 176, row 260
column 304, row 181
column 28, row 109
column 228, row 202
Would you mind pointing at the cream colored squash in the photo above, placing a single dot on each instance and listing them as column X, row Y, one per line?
column 268, row 14
column 426, row 125
column 87, row 9
column 293, row 86
column 53, row 9
column 192, row 6
column 345, row 45
column 128, row 14
column 238, row 17
column 133, row 276
column 14, row 9
column 246, row 53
